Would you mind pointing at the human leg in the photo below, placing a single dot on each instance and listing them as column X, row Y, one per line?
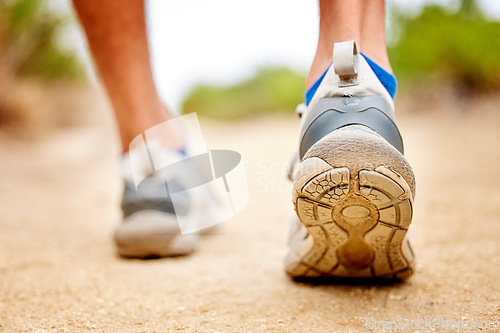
column 353, row 189
column 116, row 34
column 360, row 20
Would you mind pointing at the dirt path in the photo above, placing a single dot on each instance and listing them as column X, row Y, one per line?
column 59, row 271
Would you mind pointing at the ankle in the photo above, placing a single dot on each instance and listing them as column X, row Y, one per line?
column 318, row 67
column 380, row 58
column 156, row 127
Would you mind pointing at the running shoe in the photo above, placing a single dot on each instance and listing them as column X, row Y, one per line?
column 353, row 188
column 150, row 226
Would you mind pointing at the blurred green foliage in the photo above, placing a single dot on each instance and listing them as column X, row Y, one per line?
column 459, row 48
column 29, row 45
column 270, row 90
column 462, row 48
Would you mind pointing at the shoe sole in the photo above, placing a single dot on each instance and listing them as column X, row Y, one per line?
column 152, row 234
column 354, row 213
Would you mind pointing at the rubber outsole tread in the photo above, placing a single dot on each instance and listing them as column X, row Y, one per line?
column 352, row 221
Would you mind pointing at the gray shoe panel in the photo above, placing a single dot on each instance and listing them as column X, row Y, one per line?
column 153, row 194
column 333, row 113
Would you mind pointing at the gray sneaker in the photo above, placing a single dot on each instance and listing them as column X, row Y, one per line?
column 150, row 226
column 353, row 189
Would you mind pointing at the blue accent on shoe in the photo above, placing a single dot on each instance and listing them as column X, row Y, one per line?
column 311, row 91
column 387, row 79
column 183, row 151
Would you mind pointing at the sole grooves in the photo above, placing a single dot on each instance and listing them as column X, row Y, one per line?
column 357, row 224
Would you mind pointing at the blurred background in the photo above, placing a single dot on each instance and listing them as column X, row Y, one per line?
column 241, row 66
column 240, row 60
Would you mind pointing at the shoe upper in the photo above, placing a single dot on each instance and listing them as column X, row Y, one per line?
column 174, row 184
column 350, row 75
column 154, row 194
column 349, row 94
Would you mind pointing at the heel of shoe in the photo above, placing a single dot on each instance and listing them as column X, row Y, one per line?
column 353, row 217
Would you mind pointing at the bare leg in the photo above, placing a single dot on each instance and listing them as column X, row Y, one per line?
column 116, row 33
column 360, row 20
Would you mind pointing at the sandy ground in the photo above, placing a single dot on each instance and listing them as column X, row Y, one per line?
column 59, row 272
